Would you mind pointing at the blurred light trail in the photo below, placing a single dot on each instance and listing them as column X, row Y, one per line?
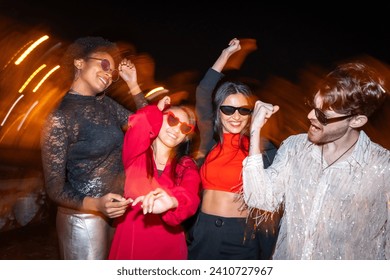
column 9, row 61
column 31, row 77
column 9, row 111
column 28, row 112
column 44, row 78
column 153, row 91
column 30, row 49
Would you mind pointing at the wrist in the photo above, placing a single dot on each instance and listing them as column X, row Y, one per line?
column 175, row 203
column 134, row 89
column 89, row 204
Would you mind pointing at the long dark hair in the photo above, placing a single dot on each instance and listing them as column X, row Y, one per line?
column 226, row 89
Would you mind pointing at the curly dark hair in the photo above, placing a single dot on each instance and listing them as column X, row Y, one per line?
column 84, row 47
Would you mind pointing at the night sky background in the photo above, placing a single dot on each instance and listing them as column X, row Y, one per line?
column 191, row 36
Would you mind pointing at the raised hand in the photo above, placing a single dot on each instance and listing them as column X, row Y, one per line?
column 261, row 113
column 127, row 71
column 163, row 103
column 234, row 46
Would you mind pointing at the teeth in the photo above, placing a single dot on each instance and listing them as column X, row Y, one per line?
column 313, row 127
column 103, row 80
column 172, row 135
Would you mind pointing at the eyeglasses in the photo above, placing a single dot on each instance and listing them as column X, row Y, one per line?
column 230, row 110
column 324, row 120
column 172, row 120
column 106, row 66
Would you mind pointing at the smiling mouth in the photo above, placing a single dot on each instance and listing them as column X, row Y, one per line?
column 172, row 135
column 105, row 82
column 315, row 126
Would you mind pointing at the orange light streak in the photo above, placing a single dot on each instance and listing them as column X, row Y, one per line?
column 31, row 77
column 153, row 91
column 46, row 76
column 30, row 49
column 28, row 112
column 12, row 58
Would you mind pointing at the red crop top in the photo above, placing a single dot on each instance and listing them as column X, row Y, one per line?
column 222, row 169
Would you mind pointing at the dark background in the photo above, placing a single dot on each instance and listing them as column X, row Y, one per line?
column 190, row 36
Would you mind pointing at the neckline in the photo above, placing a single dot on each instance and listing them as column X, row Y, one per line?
column 337, row 159
column 100, row 96
column 72, row 91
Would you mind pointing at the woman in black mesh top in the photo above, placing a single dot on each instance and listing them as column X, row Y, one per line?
column 81, row 149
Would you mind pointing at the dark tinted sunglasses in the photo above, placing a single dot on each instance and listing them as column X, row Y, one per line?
column 106, row 66
column 324, row 120
column 172, row 120
column 230, row 110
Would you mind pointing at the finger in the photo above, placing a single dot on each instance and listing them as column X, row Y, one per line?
column 145, row 203
column 150, row 204
column 116, row 198
column 138, row 199
column 157, row 196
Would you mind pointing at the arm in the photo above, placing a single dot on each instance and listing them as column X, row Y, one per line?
column 179, row 202
column 234, row 46
column 257, row 182
column 204, row 112
column 204, row 101
column 54, row 149
column 128, row 72
column 186, row 191
column 144, row 127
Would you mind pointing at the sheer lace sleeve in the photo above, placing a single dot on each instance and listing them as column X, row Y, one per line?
column 54, row 144
column 140, row 100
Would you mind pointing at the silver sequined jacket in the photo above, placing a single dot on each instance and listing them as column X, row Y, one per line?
column 340, row 212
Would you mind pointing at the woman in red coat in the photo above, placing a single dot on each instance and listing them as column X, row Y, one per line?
column 162, row 179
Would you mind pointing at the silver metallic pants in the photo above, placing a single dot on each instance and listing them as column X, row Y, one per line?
column 83, row 236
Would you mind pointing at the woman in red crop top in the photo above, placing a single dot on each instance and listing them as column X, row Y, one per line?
column 221, row 230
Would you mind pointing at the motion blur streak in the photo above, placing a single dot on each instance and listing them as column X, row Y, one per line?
column 26, row 115
column 12, row 107
column 31, row 77
column 153, row 91
column 30, row 49
column 46, row 76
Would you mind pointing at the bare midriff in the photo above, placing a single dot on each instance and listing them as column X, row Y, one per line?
column 221, row 203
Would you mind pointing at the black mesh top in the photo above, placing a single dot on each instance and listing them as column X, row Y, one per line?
column 82, row 149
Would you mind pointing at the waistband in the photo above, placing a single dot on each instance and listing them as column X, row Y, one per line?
column 74, row 212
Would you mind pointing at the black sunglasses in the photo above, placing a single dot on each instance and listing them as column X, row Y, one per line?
column 106, row 66
column 172, row 120
column 324, row 120
column 230, row 110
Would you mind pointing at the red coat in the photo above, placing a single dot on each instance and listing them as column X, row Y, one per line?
column 153, row 236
